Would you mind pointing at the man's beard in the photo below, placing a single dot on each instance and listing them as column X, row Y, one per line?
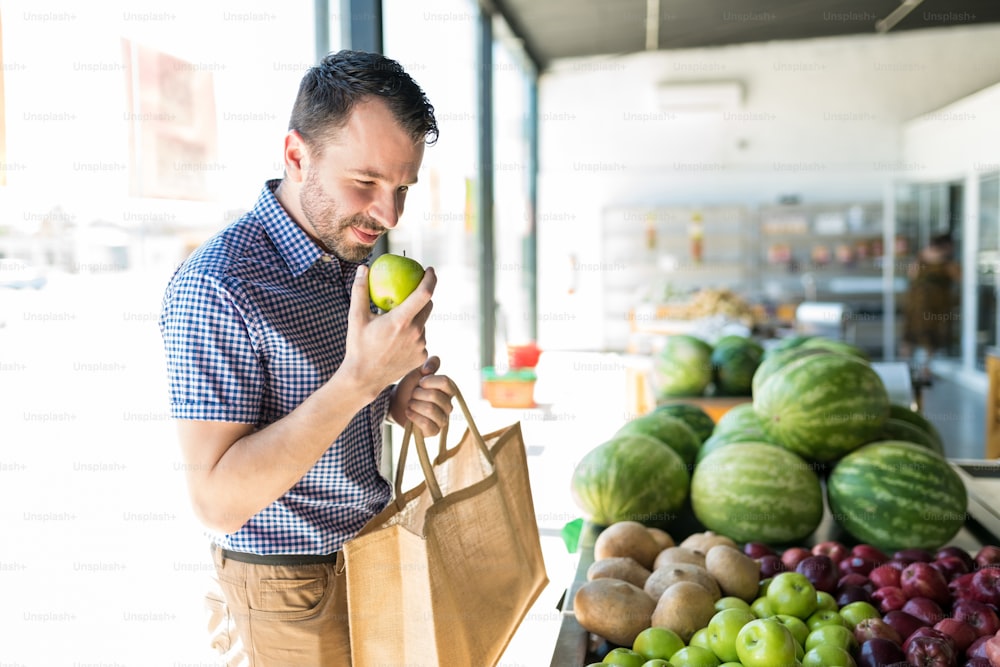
column 333, row 231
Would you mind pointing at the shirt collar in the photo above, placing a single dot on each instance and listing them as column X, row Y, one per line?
column 295, row 247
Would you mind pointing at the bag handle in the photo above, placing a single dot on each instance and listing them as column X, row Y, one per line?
column 409, row 432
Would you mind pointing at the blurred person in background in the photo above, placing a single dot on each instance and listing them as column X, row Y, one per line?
column 281, row 374
column 930, row 306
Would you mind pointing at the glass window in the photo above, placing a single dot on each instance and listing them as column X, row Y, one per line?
column 988, row 268
column 512, row 173
column 438, row 48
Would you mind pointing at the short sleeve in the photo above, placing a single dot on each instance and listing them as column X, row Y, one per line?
column 213, row 369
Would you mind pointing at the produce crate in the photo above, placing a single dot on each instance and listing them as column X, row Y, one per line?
column 640, row 398
column 575, row 647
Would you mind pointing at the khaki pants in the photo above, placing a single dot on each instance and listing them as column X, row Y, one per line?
column 278, row 615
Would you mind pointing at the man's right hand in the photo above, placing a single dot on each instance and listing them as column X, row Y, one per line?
column 383, row 348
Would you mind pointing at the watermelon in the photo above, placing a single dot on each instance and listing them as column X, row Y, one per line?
column 773, row 362
column 786, row 343
column 757, row 492
column 734, row 361
column 732, row 436
column 693, row 415
column 630, row 478
column 739, row 417
column 823, row 406
column 897, row 495
column 900, row 429
column 671, row 431
column 840, row 346
column 683, row 367
column 904, row 412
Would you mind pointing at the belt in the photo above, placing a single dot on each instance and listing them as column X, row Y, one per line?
column 276, row 559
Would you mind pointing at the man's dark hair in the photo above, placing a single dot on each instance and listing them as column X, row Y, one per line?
column 329, row 91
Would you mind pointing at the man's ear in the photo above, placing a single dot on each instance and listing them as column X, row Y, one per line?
column 296, row 156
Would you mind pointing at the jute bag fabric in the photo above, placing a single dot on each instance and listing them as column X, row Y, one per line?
column 447, row 572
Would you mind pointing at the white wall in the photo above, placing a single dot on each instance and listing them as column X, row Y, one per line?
column 821, row 119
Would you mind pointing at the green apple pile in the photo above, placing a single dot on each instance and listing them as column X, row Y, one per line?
column 710, row 602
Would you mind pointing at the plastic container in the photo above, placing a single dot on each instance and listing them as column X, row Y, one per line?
column 523, row 356
column 513, row 389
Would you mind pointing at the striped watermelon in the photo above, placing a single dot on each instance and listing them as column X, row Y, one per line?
column 900, row 429
column 757, row 492
column 776, row 360
column 840, row 346
column 693, row 415
column 905, row 413
column 732, row 436
column 630, row 477
column 739, row 418
column 823, row 406
column 897, row 495
column 671, row 431
column 683, row 367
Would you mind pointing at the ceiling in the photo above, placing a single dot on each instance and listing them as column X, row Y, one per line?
column 553, row 29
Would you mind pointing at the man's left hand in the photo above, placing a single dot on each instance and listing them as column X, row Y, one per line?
column 424, row 398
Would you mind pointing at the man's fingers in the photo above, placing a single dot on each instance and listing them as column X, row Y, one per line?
column 360, row 300
column 419, row 299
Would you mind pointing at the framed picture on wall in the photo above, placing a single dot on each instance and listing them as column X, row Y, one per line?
column 171, row 121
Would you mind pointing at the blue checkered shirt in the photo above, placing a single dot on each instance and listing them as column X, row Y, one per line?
column 253, row 322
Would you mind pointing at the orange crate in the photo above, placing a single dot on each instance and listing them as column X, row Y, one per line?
column 514, row 389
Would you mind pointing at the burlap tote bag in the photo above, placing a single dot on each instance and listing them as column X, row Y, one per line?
column 447, row 572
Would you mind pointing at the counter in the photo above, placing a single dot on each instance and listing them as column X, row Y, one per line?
column 575, row 647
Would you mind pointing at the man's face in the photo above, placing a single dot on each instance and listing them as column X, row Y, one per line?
column 354, row 191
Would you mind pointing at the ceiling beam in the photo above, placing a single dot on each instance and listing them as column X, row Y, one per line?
column 500, row 7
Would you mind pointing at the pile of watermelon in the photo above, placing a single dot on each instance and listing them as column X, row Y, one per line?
column 690, row 366
column 820, row 432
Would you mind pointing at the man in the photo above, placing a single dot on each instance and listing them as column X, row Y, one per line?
column 281, row 374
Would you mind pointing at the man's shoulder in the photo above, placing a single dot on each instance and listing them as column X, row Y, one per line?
column 221, row 255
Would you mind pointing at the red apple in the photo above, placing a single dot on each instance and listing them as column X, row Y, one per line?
column 931, row 652
column 791, row 556
column 757, row 549
column 821, row 571
column 913, row 555
column 985, row 585
column 905, row 624
column 960, row 632
column 977, row 649
column 977, row 662
column 869, row 552
column 869, row 628
column 987, row 556
column 855, row 579
column 848, row 594
column 770, row 565
column 858, row 564
column 961, row 587
column 884, row 575
column 921, row 579
column 878, row 652
column 836, row 551
column 993, row 649
column 927, row 610
column 888, row 598
column 950, row 566
column 927, row 631
column 979, row 615
column 958, row 552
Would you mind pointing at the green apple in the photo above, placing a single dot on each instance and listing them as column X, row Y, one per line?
column 723, row 629
column 825, row 600
column 623, row 657
column 731, row 602
column 825, row 617
column 700, row 638
column 828, row 656
column 392, row 278
column 694, row 656
column 761, row 607
column 855, row 612
column 656, row 662
column 797, row 626
column 831, row 635
column 660, row 643
column 762, row 586
column 793, row 594
column 766, row 642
